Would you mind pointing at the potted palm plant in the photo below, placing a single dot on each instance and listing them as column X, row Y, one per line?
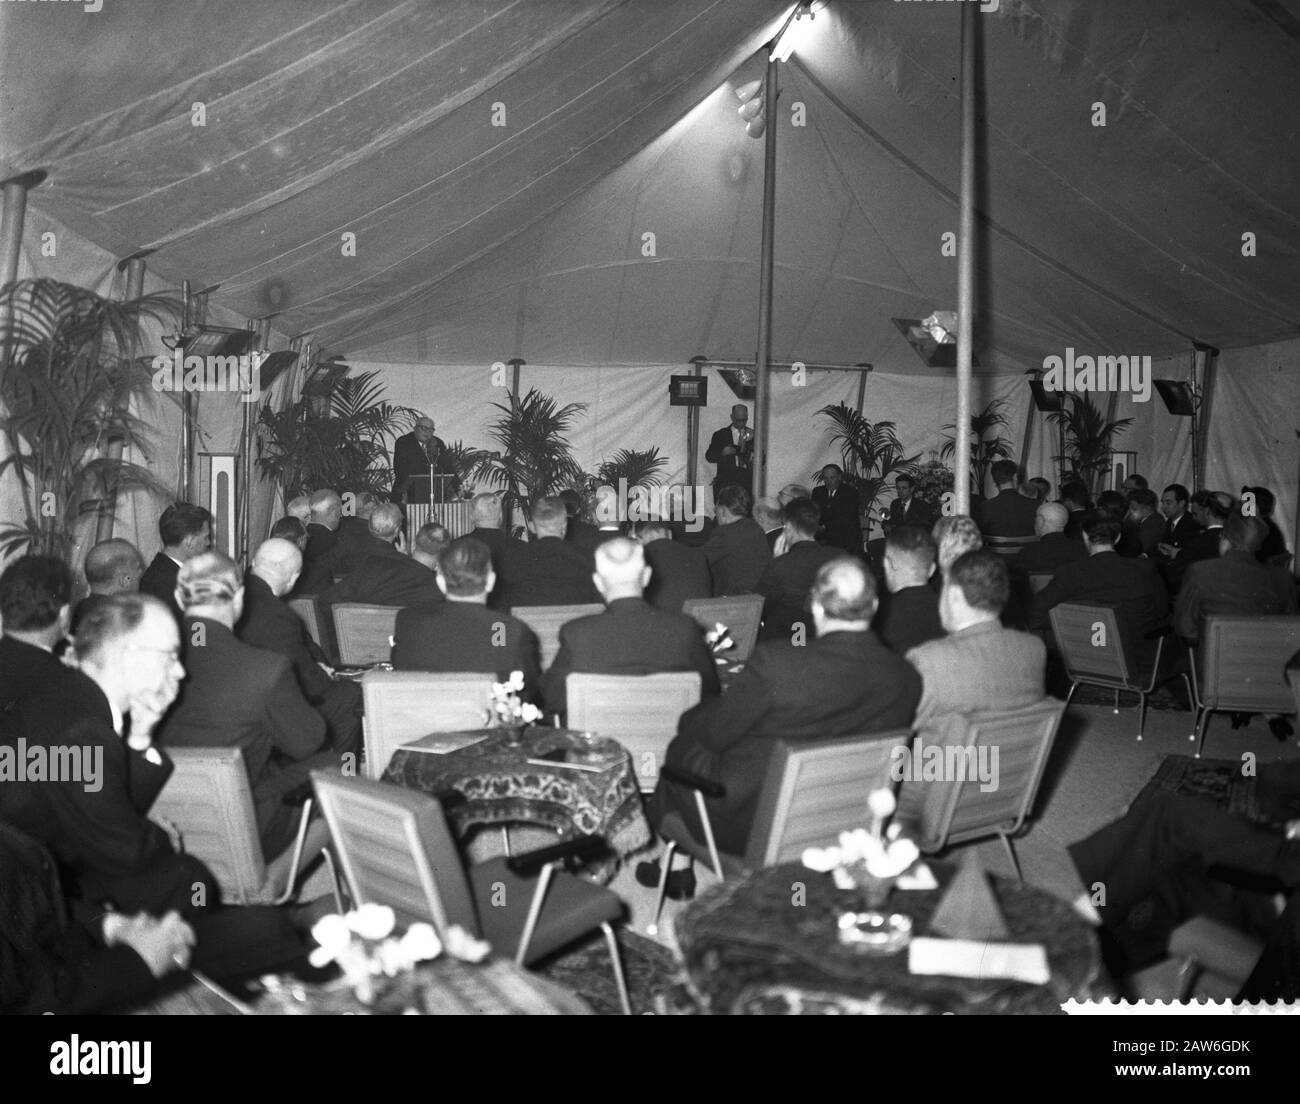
column 69, row 378
column 1089, row 439
column 983, row 448
column 871, row 452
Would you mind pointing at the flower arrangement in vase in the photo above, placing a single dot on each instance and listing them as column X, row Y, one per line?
column 508, row 711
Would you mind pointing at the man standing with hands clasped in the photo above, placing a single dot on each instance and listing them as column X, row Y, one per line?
column 732, row 449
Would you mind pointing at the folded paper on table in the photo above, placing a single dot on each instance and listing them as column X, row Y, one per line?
column 440, row 743
column 919, row 877
column 969, row 958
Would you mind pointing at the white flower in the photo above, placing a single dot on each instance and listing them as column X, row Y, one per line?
column 843, row 879
column 516, row 681
column 420, row 943
column 881, row 803
column 462, row 945
column 372, row 921
column 530, row 712
column 821, row 859
column 333, row 935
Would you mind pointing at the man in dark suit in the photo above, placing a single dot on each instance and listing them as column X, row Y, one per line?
column 841, row 510
column 1075, row 498
column 732, row 449
column 462, row 634
column 322, row 540
column 786, row 583
column 97, row 825
column 631, row 637
column 507, row 553
column 1180, row 526
column 238, row 696
column 770, row 515
column 844, row 682
column 736, row 551
column 1234, row 583
column 1210, row 510
column 185, row 531
column 907, row 509
column 678, row 572
column 1052, row 549
column 576, row 530
column 551, row 571
column 1008, row 513
column 268, row 623
column 414, row 454
column 909, row 612
column 1143, row 527
column 1260, row 502
column 1132, row 587
column 354, row 541
column 34, row 612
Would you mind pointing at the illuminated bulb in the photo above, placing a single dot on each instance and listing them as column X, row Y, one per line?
column 748, row 110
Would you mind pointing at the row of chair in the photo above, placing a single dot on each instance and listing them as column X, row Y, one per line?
column 364, row 632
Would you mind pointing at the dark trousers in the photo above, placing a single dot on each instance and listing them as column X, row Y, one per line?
column 341, row 708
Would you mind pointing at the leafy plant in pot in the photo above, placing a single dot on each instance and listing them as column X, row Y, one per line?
column 983, row 448
column 69, row 378
column 1089, row 439
column 870, row 451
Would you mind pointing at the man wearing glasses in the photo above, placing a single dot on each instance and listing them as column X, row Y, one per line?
column 414, row 454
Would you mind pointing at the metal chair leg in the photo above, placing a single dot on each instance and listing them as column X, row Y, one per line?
column 1116, row 701
column 1201, row 729
column 337, row 879
column 1073, row 687
column 505, row 839
column 617, row 963
column 665, row 865
column 1142, row 713
column 1011, row 854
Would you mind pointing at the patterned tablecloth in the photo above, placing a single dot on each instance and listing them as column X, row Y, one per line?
column 763, row 945
column 500, row 786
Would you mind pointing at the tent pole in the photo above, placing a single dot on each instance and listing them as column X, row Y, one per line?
column 965, row 259
column 12, row 220
column 762, row 361
column 1203, row 401
column 1027, row 438
column 693, row 428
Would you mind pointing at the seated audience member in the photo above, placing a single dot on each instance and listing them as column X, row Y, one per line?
column 678, row 572
column 736, row 551
column 268, row 623
column 387, row 576
column 841, row 510
column 1210, row 510
column 1132, row 587
column 51, row 963
column 300, row 508
column 909, row 612
column 1135, row 482
column 790, row 492
column 1180, row 526
column 1041, row 488
column 185, row 531
column 1075, row 498
column 291, row 529
column 979, row 665
column 578, row 531
column 34, row 612
column 507, row 552
column 1113, row 503
column 844, row 682
column 1171, row 858
column 1234, row 583
column 630, row 637
column 462, row 634
column 1052, row 548
column 322, row 539
column 1008, row 513
column 1262, row 503
column 954, row 536
column 551, row 571
column 771, row 519
column 1143, row 527
column 98, row 828
column 789, row 577
column 112, row 567
column 607, row 513
column 356, row 540
column 235, row 695
column 907, row 509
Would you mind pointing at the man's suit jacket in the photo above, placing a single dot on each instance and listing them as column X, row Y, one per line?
column 841, row 516
column 737, row 555
column 979, row 668
column 1132, row 587
column 27, row 671
column 159, row 579
column 907, row 618
column 729, row 471
column 508, row 558
column 841, row 684
column 1202, row 546
column 677, row 574
column 785, row 585
column 317, row 560
column 386, row 578
column 102, row 837
column 774, row 535
column 1008, row 514
column 1232, row 584
column 630, row 638
column 550, row 572
column 1046, row 554
column 409, row 458
column 1141, row 539
column 1074, row 525
column 1180, row 531
column 583, row 534
column 916, row 512
column 466, row 637
column 355, row 543
column 269, row 624
column 235, row 695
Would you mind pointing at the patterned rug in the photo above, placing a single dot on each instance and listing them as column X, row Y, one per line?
column 1218, row 780
column 654, row 976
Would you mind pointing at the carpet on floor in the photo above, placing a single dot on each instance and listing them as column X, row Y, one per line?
column 655, row 979
column 1217, row 780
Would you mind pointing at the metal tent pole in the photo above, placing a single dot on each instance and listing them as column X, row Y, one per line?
column 762, row 360
column 965, row 259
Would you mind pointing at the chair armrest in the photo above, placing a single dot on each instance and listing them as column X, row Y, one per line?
column 683, row 777
column 584, row 847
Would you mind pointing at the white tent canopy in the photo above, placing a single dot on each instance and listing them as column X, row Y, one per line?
column 477, row 242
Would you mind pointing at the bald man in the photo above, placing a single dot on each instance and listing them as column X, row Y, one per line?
column 322, row 539
column 112, row 567
column 1052, row 548
column 631, row 637
column 299, row 508
column 843, row 682
column 269, row 623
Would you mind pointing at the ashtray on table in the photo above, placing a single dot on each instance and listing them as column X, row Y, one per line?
column 875, row 932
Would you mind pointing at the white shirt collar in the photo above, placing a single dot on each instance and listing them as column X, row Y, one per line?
column 119, row 718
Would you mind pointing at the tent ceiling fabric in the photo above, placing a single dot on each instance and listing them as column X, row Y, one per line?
column 477, row 242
